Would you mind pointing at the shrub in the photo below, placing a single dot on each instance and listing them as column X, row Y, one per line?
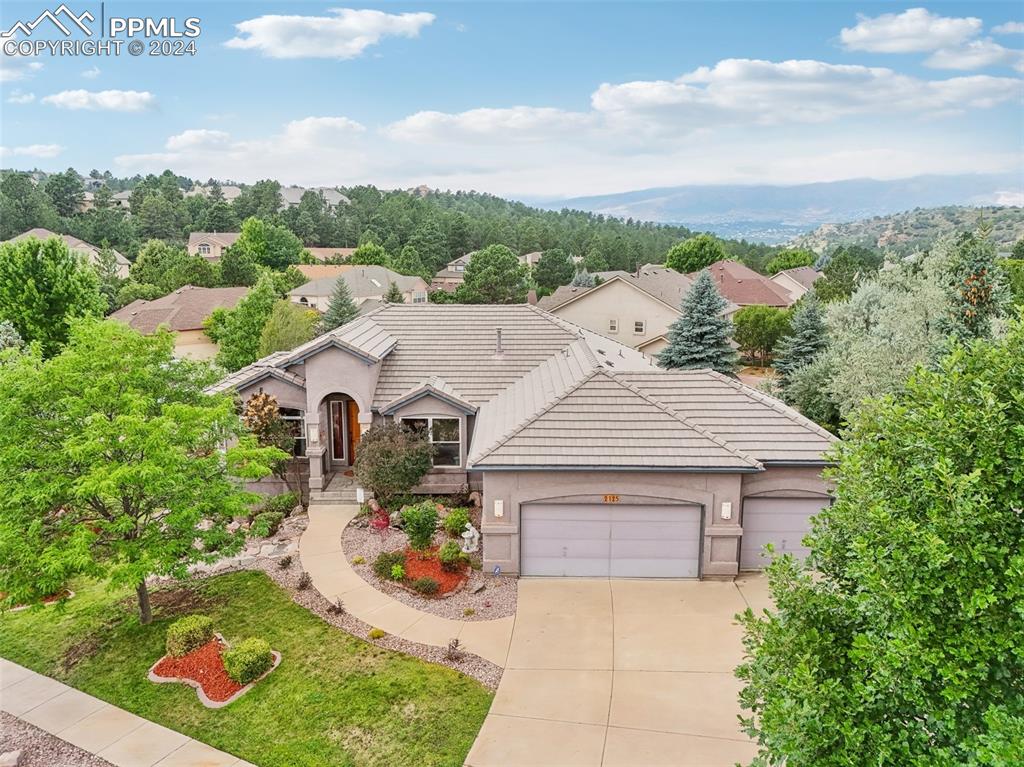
column 283, row 503
column 391, row 460
column 385, row 561
column 377, row 633
column 285, row 562
column 426, row 585
column 451, row 556
column 248, row 660
column 469, row 611
column 305, row 581
column 188, row 634
column 420, row 522
column 265, row 524
column 454, row 650
column 357, row 560
column 456, row 521
column 397, row 572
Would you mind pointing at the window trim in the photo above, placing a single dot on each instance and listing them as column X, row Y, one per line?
column 300, row 435
column 613, row 324
column 430, row 436
column 642, row 324
column 204, row 249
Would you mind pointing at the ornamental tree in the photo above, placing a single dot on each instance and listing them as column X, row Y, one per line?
column 789, row 259
column 901, row 640
column 238, row 331
column 111, row 464
column 699, row 338
column 391, row 460
column 758, row 329
column 262, row 416
column 694, row 254
column 288, row 326
column 43, row 288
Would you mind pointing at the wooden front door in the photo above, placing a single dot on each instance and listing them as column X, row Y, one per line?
column 352, row 413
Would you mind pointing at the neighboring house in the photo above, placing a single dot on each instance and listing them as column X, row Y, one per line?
column 797, row 281
column 122, row 200
column 91, row 252
column 87, row 203
column 229, row 192
column 182, row 311
column 364, row 283
column 589, row 460
column 745, row 287
column 634, row 309
column 211, row 245
column 322, row 254
column 292, row 196
column 449, row 278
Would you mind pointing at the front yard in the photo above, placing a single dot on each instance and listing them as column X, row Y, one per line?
column 335, row 700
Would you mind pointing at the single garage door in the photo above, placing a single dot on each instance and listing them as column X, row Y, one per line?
column 610, row 540
column 783, row 522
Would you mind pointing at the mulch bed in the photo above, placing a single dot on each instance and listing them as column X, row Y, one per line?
column 427, row 565
column 50, row 599
column 203, row 666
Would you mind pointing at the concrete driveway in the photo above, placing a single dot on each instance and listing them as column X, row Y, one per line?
column 621, row 672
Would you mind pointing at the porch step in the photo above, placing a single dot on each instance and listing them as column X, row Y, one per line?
column 332, row 497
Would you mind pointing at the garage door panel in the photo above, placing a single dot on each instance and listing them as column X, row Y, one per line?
column 638, row 541
column 783, row 522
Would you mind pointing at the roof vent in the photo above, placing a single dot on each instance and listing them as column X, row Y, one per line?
column 499, row 350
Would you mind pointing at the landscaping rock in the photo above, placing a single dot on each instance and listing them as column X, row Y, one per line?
column 11, row 758
column 478, row 588
column 38, row 748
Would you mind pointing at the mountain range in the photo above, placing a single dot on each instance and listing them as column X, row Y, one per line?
column 777, row 214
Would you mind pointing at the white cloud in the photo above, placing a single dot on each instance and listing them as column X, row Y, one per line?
column 1009, row 28
column 516, row 124
column 91, row 73
column 343, row 35
column 913, row 31
column 16, row 67
column 113, row 100
column 198, row 139
column 41, row 151
column 20, row 97
column 976, row 54
column 318, row 131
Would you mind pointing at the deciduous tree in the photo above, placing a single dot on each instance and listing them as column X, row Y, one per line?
column 789, row 259
column 757, row 329
column 238, row 331
column 694, row 254
column 288, row 326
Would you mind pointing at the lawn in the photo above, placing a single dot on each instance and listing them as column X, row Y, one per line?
column 334, row 700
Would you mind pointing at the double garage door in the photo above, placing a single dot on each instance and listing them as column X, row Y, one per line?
column 782, row 522
column 609, row 540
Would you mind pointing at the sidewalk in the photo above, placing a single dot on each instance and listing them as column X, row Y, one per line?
column 123, row 739
column 322, row 557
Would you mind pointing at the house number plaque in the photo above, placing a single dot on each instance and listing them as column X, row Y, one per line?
column 611, row 499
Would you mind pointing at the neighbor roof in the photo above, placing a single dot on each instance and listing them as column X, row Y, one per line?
column 224, row 239
column 666, row 285
column 292, row 195
column 184, row 309
column 73, row 243
column 322, row 254
column 805, row 275
column 363, row 282
column 745, row 287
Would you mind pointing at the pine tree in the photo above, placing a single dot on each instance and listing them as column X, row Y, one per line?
column 700, row 337
column 805, row 340
column 341, row 309
column 394, row 294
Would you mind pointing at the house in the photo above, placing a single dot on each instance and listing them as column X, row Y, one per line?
column 745, row 287
column 91, row 252
column 122, row 200
column 182, row 311
column 589, row 460
column 797, row 281
column 449, row 278
column 634, row 309
column 364, row 283
column 211, row 245
column 324, row 254
column 229, row 192
column 291, row 196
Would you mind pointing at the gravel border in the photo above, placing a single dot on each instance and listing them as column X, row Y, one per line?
column 41, row 749
column 485, row 672
column 496, row 600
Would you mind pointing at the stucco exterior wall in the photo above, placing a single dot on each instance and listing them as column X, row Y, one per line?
column 720, row 494
column 194, row 345
column 625, row 303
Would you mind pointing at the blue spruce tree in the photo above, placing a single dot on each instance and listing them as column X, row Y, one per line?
column 700, row 337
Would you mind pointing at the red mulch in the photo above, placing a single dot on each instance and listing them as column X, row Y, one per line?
column 426, row 564
column 204, row 666
column 47, row 600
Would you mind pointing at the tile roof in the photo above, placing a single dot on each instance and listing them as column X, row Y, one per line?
column 805, row 275
column 436, row 387
column 666, row 285
column 744, row 287
column 292, row 195
column 322, row 254
column 224, row 239
column 73, row 243
column 183, row 309
column 363, row 282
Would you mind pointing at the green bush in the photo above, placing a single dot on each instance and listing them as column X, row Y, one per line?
column 451, row 556
column 265, row 523
column 456, row 521
column 426, row 585
column 385, row 561
column 419, row 523
column 392, row 460
column 188, row 634
column 248, row 660
column 377, row 633
column 282, row 504
column 397, row 572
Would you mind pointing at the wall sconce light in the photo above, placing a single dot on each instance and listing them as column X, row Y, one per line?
column 727, row 510
column 499, row 508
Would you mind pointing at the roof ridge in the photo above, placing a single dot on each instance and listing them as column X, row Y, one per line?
column 685, row 421
column 773, row 403
column 501, row 440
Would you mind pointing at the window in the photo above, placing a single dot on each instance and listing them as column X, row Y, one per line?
column 460, row 267
column 204, row 249
column 613, row 326
column 444, row 434
column 419, row 298
column 639, row 327
column 295, row 420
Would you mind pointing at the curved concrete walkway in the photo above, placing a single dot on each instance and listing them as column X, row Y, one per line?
column 322, row 557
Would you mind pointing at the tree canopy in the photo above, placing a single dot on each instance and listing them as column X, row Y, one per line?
column 288, row 326
column 699, row 337
column 493, row 276
column 695, row 254
column 757, row 329
column 238, row 332
column 554, row 268
column 341, row 309
column 789, row 259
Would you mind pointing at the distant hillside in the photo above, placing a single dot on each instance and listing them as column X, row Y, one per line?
column 775, row 214
column 914, row 229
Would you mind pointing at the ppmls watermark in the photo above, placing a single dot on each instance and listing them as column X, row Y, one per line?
column 62, row 32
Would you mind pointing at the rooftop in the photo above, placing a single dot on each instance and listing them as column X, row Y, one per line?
column 363, row 282
column 743, row 286
column 183, row 309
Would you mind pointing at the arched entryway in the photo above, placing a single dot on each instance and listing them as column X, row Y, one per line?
column 344, row 430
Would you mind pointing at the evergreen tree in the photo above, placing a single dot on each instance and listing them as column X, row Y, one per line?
column 583, row 279
column 805, row 340
column 408, row 262
column 554, row 268
column 493, row 276
column 700, row 337
column 341, row 309
column 394, row 294
column 66, row 192
column 9, row 337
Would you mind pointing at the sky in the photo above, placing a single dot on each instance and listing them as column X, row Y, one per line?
column 530, row 99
